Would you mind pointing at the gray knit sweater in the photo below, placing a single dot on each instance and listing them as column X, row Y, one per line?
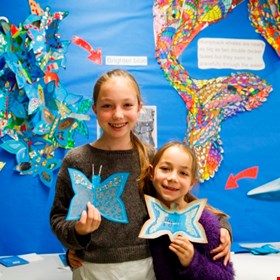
column 112, row 242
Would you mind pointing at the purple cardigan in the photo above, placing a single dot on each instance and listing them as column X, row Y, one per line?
column 202, row 267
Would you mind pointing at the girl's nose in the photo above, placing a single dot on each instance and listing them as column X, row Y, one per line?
column 172, row 176
column 118, row 113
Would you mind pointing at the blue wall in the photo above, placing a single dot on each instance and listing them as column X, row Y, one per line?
column 125, row 28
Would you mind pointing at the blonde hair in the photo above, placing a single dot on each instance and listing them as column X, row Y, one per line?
column 136, row 142
column 146, row 184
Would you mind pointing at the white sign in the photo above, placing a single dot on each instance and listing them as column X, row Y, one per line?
column 126, row 60
column 220, row 53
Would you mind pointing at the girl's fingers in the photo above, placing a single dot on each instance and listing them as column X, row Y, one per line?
column 94, row 217
column 83, row 218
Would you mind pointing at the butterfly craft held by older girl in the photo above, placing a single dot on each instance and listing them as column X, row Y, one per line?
column 106, row 195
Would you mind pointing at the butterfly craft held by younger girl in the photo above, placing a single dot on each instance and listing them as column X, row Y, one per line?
column 105, row 196
column 174, row 222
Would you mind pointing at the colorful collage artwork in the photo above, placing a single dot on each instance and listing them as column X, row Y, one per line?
column 208, row 102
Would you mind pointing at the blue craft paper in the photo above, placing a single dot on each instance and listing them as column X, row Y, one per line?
column 63, row 259
column 105, row 196
column 13, row 261
column 263, row 250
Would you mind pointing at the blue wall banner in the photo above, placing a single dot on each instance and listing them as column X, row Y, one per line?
column 213, row 67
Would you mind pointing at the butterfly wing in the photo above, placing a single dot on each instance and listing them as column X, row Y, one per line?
column 45, row 123
column 47, row 169
column 108, row 198
column 189, row 222
column 82, row 188
column 159, row 223
column 64, row 133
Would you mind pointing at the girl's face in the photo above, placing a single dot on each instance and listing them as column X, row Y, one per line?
column 117, row 108
column 172, row 177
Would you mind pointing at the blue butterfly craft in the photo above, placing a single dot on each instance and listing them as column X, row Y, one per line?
column 174, row 222
column 34, row 159
column 105, row 196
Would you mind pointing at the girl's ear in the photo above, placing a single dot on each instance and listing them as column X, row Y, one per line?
column 194, row 182
column 140, row 107
column 93, row 108
column 150, row 172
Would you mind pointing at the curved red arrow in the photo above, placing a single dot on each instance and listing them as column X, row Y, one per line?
column 251, row 172
column 95, row 56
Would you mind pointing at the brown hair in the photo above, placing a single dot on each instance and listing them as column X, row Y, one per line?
column 136, row 142
column 147, row 185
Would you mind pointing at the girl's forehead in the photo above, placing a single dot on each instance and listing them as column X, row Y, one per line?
column 118, row 80
column 174, row 149
column 176, row 154
column 118, row 84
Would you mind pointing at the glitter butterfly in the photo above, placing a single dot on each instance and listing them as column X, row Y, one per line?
column 36, row 162
column 105, row 196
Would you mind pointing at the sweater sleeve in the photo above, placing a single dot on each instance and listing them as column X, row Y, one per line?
column 203, row 267
column 224, row 223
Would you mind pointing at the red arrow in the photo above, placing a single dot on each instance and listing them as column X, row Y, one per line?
column 95, row 56
column 251, row 172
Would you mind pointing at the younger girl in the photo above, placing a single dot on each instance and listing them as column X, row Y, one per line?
column 170, row 178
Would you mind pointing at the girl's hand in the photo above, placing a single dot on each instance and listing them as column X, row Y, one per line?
column 183, row 248
column 73, row 260
column 89, row 221
column 223, row 250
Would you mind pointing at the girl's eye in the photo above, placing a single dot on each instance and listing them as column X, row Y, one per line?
column 128, row 105
column 106, row 106
column 164, row 168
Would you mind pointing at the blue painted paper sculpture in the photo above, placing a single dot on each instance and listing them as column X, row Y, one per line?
column 105, row 196
column 174, row 222
column 38, row 116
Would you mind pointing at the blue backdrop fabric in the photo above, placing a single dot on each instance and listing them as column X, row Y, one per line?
column 125, row 28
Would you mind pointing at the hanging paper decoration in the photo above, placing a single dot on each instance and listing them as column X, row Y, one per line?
column 106, row 195
column 208, row 102
column 37, row 114
column 265, row 17
column 2, row 164
column 174, row 222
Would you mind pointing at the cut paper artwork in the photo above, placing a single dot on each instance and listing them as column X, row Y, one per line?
column 265, row 18
column 174, row 222
column 106, row 195
column 2, row 164
column 37, row 113
column 208, row 102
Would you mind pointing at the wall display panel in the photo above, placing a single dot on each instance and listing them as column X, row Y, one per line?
column 121, row 34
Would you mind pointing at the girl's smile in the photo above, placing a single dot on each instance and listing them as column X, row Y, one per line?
column 118, row 125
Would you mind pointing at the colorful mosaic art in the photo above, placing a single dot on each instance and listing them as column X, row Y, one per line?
column 208, row 102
